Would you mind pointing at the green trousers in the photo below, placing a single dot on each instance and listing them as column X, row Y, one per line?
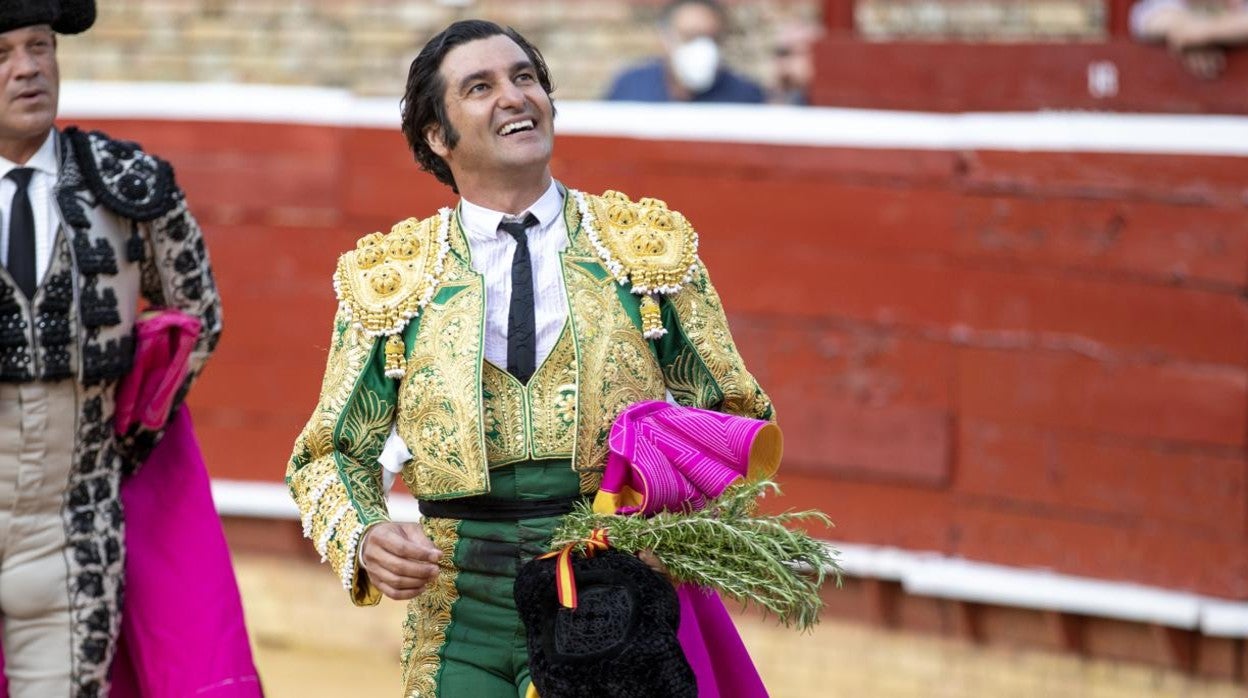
column 463, row 637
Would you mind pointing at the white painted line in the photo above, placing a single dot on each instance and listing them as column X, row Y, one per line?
column 877, row 562
column 265, row 500
column 931, row 574
column 720, row 123
column 1043, row 590
column 1224, row 619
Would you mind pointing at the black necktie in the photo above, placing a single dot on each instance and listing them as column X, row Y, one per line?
column 22, row 233
column 521, row 323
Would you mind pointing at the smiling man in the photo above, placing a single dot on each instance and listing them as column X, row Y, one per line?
column 88, row 226
column 484, row 353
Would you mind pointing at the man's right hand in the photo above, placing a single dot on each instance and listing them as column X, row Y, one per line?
column 400, row 559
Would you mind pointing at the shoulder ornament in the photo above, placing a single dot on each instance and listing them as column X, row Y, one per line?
column 643, row 244
column 126, row 180
column 387, row 279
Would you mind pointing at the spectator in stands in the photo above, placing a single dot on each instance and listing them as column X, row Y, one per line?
column 793, row 63
column 692, row 69
column 1199, row 35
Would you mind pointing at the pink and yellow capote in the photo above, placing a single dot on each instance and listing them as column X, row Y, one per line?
column 665, row 457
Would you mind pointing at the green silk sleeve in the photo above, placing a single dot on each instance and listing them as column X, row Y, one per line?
column 333, row 473
column 700, row 362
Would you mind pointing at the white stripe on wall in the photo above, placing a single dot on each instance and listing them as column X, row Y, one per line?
column 822, row 127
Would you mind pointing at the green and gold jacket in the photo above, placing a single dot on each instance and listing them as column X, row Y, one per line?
column 407, row 348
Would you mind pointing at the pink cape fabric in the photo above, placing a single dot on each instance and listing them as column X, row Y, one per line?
column 714, row 648
column 182, row 629
column 676, row 458
column 164, row 340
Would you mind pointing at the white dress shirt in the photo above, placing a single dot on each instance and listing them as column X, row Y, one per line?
column 492, row 250
column 47, row 218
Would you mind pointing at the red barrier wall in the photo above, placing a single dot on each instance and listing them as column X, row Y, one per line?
column 1113, row 75
column 1031, row 359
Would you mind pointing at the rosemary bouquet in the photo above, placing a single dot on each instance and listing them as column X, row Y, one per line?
column 755, row 559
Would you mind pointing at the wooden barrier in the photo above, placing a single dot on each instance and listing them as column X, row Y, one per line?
column 1116, row 75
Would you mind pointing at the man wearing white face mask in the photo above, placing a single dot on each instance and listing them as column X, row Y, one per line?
column 692, row 69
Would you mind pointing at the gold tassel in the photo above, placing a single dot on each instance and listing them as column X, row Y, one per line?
column 396, row 364
column 651, row 318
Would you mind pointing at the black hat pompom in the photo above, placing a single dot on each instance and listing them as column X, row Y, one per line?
column 76, row 16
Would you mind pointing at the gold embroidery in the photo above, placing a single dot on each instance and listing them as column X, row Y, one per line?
column 506, row 433
column 429, row 615
column 348, row 353
column 457, row 240
column 689, row 382
column 330, row 520
column 701, row 317
column 440, row 404
column 361, row 435
column 385, row 281
column 552, row 401
column 590, row 480
column 644, row 244
column 452, row 408
column 334, row 492
column 366, row 423
column 572, row 212
column 617, row 367
column 535, row 421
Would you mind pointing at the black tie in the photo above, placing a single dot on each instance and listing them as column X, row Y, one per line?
column 521, row 323
column 22, row 233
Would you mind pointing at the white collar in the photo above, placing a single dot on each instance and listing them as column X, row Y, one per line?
column 481, row 223
column 44, row 159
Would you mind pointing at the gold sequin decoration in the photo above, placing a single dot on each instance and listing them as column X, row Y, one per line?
column 386, row 279
column 365, row 418
column 533, row 421
column 651, row 317
column 644, row 243
column 617, row 367
column 506, row 434
column 701, row 317
column 429, row 615
column 440, row 400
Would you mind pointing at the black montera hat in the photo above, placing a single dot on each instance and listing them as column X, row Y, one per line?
column 65, row 16
column 619, row 642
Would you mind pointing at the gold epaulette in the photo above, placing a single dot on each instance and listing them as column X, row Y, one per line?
column 385, row 281
column 643, row 244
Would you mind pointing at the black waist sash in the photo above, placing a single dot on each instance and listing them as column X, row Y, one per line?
column 494, row 509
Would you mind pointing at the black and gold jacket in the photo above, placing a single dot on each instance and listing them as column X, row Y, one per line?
column 407, row 348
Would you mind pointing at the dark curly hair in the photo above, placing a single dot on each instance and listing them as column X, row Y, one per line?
column 424, row 101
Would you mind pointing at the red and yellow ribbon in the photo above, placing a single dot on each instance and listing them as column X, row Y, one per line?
column 565, row 582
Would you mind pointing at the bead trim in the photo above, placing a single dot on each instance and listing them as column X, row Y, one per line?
column 646, row 273
column 379, row 322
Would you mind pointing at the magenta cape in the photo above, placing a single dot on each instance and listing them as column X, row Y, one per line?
column 182, row 629
column 665, row 457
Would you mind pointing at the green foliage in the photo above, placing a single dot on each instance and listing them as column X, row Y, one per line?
column 755, row 559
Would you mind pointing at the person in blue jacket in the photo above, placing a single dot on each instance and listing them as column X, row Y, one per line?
column 692, row 69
